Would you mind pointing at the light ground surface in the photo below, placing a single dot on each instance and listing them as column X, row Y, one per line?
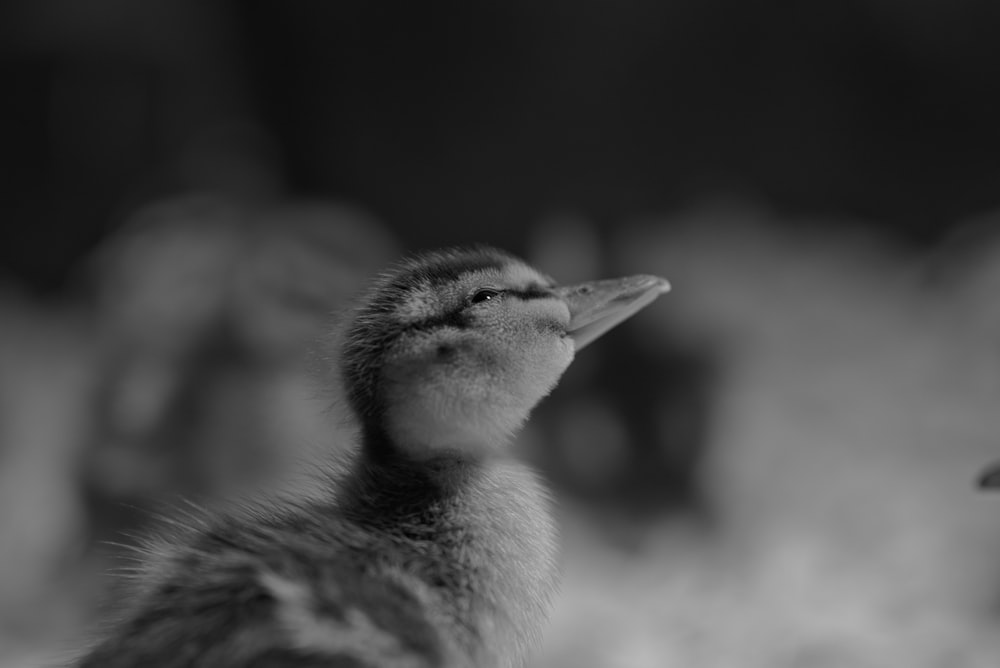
column 858, row 398
column 857, row 404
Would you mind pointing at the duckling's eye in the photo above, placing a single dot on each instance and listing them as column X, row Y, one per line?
column 484, row 295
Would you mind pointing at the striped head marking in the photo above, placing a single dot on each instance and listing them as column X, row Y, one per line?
column 452, row 350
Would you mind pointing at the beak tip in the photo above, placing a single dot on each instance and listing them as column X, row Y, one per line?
column 658, row 284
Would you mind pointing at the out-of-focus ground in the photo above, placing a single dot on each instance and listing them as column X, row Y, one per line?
column 857, row 399
column 854, row 397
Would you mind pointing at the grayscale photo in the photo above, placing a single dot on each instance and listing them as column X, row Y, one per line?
column 537, row 334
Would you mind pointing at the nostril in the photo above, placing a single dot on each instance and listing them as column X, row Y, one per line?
column 551, row 326
column 445, row 351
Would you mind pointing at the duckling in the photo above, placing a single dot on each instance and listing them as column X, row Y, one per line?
column 436, row 547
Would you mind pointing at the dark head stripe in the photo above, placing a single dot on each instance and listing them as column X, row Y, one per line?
column 456, row 318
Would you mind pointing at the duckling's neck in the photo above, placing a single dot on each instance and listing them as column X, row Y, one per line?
column 393, row 490
column 386, row 485
column 488, row 521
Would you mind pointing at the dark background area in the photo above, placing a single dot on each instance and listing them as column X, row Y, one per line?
column 465, row 121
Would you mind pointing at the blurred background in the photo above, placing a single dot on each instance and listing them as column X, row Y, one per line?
column 773, row 466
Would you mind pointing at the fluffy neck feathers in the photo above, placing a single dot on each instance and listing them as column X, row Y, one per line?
column 487, row 529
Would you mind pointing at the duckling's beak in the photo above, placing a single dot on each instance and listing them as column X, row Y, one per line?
column 990, row 478
column 597, row 306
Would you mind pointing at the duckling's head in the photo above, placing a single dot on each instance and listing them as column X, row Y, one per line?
column 451, row 350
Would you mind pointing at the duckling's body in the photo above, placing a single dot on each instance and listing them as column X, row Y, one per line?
column 435, row 548
column 453, row 567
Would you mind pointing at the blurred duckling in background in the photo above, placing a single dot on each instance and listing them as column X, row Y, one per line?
column 204, row 304
column 436, row 547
